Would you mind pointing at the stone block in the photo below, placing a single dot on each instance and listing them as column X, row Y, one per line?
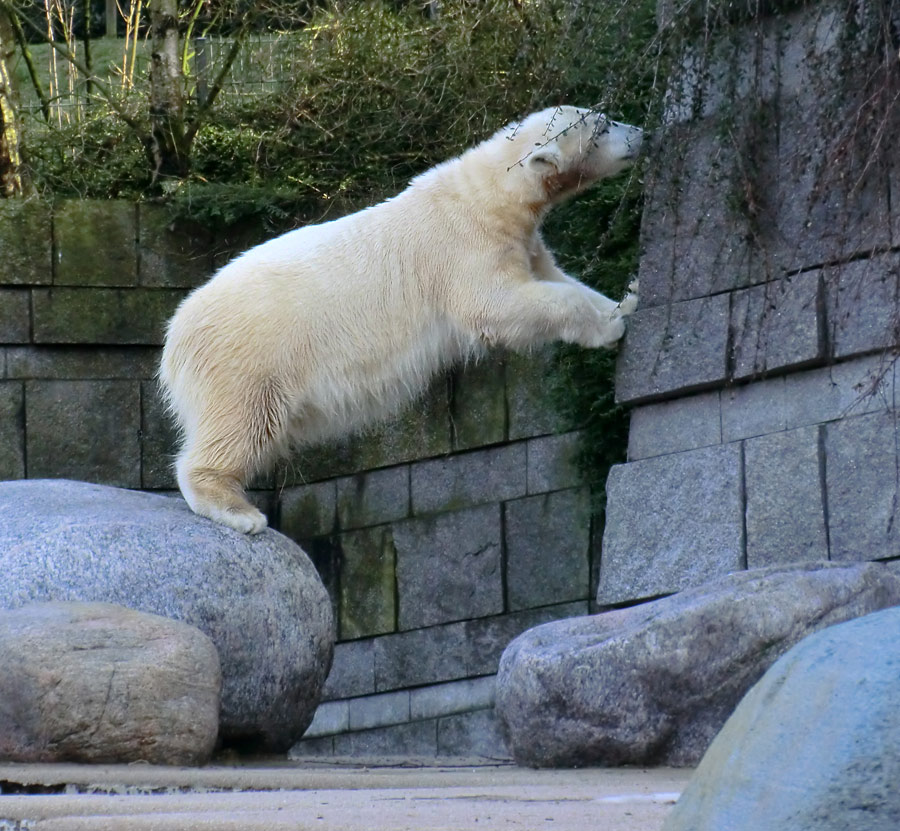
column 754, row 409
column 12, row 430
column 95, row 243
column 894, row 185
column 308, row 510
column 114, row 316
column 548, row 548
column 468, row 479
column 323, row 746
column 15, row 315
column 756, row 61
column 778, row 324
column 673, row 426
column 415, row 739
column 686, row 251
column 552, row 462
column 825, row 193
column 379, row 710
column 352, row 670
column 326, row 556
column 676, row 348
column 331, row 717
column 732, row 202
column 478, row 403
column 159, row 440
column 662, row 536
column 317, row 462
column 833, row 392
column 863, row 303
column 422, row 656
column 471, row 734
column 82, row 363
column 373, row 497
column 449, row 567
column 368, row 585
column 173, row 254
column 87, row 430
column 26, row 243
column 862, row 487
column 455, row 697
column 528, row 379
column 422, row 430
column 448, row 652
column 487, row 638
column 785, row 512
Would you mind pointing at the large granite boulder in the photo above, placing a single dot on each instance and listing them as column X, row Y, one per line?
column 95, row 682
column 258, row 598
column 653, row 684
column 814, row 746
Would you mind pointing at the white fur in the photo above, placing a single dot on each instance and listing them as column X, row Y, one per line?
column 327, row 328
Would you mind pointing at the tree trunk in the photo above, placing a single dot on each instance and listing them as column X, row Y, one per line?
column 10, row 129
column 169, row 147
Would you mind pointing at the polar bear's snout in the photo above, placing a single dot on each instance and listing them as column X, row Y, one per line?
column 625, row 140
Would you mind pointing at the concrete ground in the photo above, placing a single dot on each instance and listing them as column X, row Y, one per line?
column 279, row 795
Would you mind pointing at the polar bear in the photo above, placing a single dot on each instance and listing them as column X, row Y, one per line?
column 327, row 328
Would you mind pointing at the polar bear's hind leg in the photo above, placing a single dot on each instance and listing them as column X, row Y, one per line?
column 215, row 464
column 217, row 494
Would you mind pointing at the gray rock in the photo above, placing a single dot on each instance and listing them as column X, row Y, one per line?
column 674, row 426
column 548, row 528
column 776, row 325
column 814, row 746
column 95, row 682
column 449, row 567
column 862, row 302
column 862, row 487
column 785, row 513
column 662, row 537
column 653, row 684
column 63, row 420
column 678, row 347
column 258, row 598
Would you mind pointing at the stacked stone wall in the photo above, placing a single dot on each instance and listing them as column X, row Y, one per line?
column 440, row 536
column 761, row 364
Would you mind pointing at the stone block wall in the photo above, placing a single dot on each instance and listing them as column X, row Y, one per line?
column 440, row 536
column 761, row 364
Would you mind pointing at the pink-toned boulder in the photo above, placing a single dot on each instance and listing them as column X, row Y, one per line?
column 96, row 682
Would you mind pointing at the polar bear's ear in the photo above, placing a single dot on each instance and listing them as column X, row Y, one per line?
column 545, row 160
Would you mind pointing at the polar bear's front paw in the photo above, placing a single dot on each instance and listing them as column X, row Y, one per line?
column 630, row 301
column 613, row 331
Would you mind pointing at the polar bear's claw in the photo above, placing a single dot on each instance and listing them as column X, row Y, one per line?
column 630, row 301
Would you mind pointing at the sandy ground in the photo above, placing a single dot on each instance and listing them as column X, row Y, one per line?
column 333, row 798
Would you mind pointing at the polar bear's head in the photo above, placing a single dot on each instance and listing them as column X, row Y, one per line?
column 561, row 150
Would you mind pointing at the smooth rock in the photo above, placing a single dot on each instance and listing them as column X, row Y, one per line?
column 95, row 682
column 814, row 746
column 258, row 598
column 653, row 684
